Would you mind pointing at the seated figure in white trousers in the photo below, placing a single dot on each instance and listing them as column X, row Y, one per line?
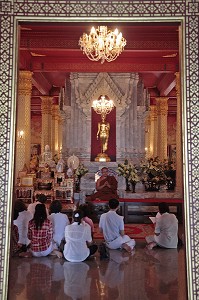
column 166, row 229
column 112, row 227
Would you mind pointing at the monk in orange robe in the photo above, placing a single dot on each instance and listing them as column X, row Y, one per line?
column 106, row 187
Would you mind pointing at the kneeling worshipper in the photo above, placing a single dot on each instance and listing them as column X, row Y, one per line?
column 166, row 229
column 106, row 187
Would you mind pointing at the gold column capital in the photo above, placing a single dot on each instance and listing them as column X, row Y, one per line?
column 153, row 112
column 55, row 112
column 162, row 105
column 46, row 104
column 25, row 83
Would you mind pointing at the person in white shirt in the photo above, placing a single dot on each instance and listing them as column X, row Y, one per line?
column 166, row 229
column 41, row 199
column 22, row 221
column 59, row 221
column 78, row 239
column 112, row 227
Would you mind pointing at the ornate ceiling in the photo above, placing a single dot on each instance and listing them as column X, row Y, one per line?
column 51, row 52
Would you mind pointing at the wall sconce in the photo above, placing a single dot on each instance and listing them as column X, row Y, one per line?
column 20, row 135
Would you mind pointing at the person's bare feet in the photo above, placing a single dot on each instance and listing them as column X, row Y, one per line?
column 150, row 246
column 127, row 248
column 57, row 253
column 25, row 254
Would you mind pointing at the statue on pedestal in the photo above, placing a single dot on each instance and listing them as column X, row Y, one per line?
column 103, row 134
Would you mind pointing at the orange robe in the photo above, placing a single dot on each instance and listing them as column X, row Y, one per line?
column 106, row 193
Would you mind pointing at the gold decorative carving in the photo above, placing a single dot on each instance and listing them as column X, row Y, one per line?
column 162, row 111
column 162, row 105
column 55, row 112
column 25, row 83
column 179, row 178
column 46, row 104
column 153, row 112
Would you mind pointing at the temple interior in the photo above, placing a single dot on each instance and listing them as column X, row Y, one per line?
column 56, row 131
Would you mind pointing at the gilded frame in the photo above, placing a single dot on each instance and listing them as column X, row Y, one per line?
column 187, row 12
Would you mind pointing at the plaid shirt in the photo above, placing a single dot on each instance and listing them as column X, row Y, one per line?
column 40, row 238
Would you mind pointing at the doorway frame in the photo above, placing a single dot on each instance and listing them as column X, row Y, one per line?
column 12, row 13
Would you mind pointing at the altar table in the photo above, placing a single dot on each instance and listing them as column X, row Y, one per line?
column 125, row 203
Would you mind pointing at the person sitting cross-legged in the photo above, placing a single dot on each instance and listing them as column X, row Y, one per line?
column 112, row 227
column 41, row 199
column 106, row 187
column 78, row 238
column 21, row 222
column 166, row 229
column 40, row 234
column 59, row 221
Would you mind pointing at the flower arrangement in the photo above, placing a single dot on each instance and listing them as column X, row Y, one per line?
column 170, row 173
column 152, row 169
column 169, row 169
column 128, row 171
column 81, row 170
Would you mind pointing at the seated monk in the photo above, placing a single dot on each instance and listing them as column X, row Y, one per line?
column 106, row 187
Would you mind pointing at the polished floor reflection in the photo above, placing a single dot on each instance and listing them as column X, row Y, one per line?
column 155, row 274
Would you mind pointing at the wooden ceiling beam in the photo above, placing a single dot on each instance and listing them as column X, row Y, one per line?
column 41, row 83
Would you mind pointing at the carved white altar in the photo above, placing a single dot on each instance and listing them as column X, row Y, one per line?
column 131, row 101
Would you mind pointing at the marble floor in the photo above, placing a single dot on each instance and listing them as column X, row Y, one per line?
column 154, row 274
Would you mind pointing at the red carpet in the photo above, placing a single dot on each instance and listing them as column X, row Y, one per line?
column 135, row 231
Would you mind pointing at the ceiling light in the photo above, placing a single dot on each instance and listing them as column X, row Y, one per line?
column 102, row 44
column 103, row 106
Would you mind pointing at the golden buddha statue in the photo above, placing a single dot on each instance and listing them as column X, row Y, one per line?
column 103, row 134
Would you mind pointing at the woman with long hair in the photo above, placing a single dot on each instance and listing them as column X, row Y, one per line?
column 40, row 233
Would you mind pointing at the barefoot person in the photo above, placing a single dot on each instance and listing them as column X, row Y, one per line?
column 112, row 227
column 166, row 229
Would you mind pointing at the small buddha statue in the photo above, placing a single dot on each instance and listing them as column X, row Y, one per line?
column 47, row 158
column 47, row 155
column 70, row 171
column 60, row 164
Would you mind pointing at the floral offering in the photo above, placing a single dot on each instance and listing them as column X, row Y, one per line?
column 169, row 169
column 152, row 169
column 128, row 171
column 81, row 170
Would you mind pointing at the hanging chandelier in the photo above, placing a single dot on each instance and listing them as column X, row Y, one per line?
column 102, row 44
column 103, row 106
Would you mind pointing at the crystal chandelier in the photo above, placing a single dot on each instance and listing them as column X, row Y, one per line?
column 103, row 106
column 102, row 44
